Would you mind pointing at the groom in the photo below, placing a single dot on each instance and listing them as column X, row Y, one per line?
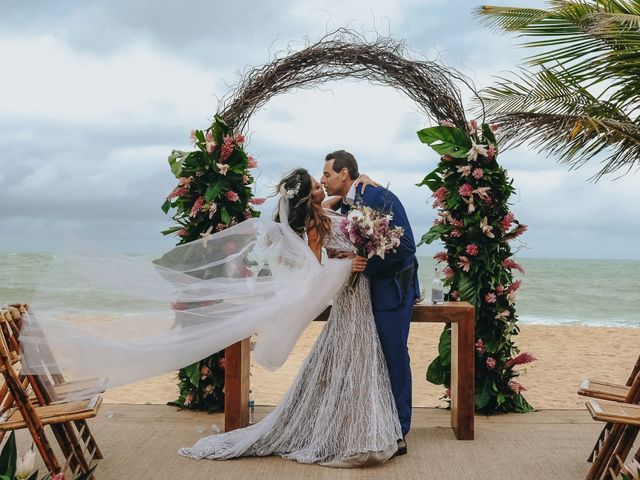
column 393, row 280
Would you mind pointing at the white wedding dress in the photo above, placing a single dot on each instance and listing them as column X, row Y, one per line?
column 339, row 411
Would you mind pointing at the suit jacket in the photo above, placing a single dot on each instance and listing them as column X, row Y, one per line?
column 395, row 277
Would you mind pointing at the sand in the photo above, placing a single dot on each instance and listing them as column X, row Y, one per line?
column 566, row 354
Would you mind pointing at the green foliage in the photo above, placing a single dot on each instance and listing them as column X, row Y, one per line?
column 580, row 94
column 213, row 193
column 472, row 193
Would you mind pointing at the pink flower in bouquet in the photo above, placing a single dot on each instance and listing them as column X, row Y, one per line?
column 491, row 152
column 490, row 297
column 491, row 363
column 252, row 162
column 523, row 358
column 474, row 125
column 58, row 476
column 185, row 181
column 507, row 220
column 204, row 372
column 464, row 263
column 177, row 192
column 221, row 226
column 477, row 173
column 482, row 192
column 447, row 123
column 188, row 399
column 521, row 229
column 213, row 208
column 455, row 233
column 447, row 272
column 239, row 138
column 245, row 179
column 514, row 286
column 508, row 263
column 440, row 194
column 209, row 142
column 441, row 256
column 465, row 190
column 472, row 249
column 494, row 127
column 480, row 346
column 257, row 201
column 197, row 206
column 447, row 158
column 455, row 294
column 223, row 167
column 447, row 393
column 232, row 196
column 222, row 363
column 182, row 232
column 208, row 136
column 464, row 170
column 516, row 387
column 456, row 223
column 486, row 228
column 192, row 137
column 248, row 214
column 227, row 148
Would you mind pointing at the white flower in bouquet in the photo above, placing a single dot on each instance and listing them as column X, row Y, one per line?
column 25, row 465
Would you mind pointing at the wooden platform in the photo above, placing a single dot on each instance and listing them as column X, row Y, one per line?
column 140, row 441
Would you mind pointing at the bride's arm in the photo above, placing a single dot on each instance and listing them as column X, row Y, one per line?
column 332, row 202
column 313, row 240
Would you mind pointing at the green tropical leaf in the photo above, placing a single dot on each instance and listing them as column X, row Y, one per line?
column 484, row 393
column 446, row 140
column 8, row 456
column 214, row 190
column 433, row 234
column 436, row 372
column 224, row 216
column 433, row 180
column 166, row 206
column 444, row 347
column 193, row 373
column 171, row 230
column 175, row 161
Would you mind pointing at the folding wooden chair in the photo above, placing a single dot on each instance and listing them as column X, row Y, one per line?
column 607, row 391
column 20, row 410
column 621, row 430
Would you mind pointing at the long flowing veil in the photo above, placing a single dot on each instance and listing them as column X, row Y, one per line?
column 133, row 318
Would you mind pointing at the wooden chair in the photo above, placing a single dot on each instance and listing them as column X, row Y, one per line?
column 26, row 404
column 619, row 433
column 607, row 391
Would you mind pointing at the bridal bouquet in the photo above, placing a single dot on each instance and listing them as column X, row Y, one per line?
column 371, row 234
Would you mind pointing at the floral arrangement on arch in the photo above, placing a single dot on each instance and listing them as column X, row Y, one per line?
column 213, row 193
column 471, row 192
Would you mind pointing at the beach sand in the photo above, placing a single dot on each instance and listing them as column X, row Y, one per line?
column 566, row 355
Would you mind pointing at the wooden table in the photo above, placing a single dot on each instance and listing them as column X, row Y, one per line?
column 461, row 316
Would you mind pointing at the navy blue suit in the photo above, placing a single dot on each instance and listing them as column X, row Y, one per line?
column 394, row 288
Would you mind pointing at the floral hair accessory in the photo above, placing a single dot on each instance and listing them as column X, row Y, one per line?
column 290, row 193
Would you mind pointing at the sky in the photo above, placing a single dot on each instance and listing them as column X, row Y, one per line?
column 94, row 96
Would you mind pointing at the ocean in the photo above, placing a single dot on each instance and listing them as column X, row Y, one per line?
column 553, row 292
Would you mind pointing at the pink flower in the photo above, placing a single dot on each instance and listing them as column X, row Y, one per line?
column 464, row 170
column 227, row 148
column 208, row 390
column 192, row 137
column 455, row 294
column 474, row 125
column 177, row 192
column 477, row 173
column 252, row 162
column 248, row 214
column 185, row 181
column 482, row 192
column 500, row 289
column 223, row 168
column 490, row 297
column 523, row 358
column 447, row 272
column 213, row 208
column 514, row 286
column 182, row 232
column 472, row 249
column 503, row 314
column 516, row 387
column 447, row 123
column 505, row 223
column 491, row 363
column 208, row 137
column 494, row 127
column 480, row 346
column 456, row 233
column 464, row 263
column 456, row 223
column 447, row 393
column 222, row 363
column 245, row 179
column 521, row 229
column 239, row 138
column 465, row 190
column 204, row 372
column 440, row 194
column 441, row 256
column 197, row 206
column 447, row 158
column 508, row 263
column 257, row 201
column 232, row 196
column 220, row 227
column 188, row 399
column 58, row 476
column 491, row 152
column 209, row 142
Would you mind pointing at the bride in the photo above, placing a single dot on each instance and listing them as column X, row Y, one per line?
column 339, row 411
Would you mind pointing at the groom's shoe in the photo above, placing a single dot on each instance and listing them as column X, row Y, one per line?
column 402, row 448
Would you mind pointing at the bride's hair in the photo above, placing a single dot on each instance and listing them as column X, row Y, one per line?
column 303, row 214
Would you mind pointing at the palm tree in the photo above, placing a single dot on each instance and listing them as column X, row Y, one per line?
column 583, row 95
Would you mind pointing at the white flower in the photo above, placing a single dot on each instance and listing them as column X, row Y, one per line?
column 205, row 236
column 472, row 155
column 486, row 228
column 223, row 167
column 482, row 192
column 25, row 465
column 465, row 170
column 355, row 215
column 470, row 205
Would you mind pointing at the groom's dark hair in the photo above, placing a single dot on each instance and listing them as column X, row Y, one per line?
column 343, row 159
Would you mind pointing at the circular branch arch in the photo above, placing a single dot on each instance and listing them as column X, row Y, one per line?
column 347, row 54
